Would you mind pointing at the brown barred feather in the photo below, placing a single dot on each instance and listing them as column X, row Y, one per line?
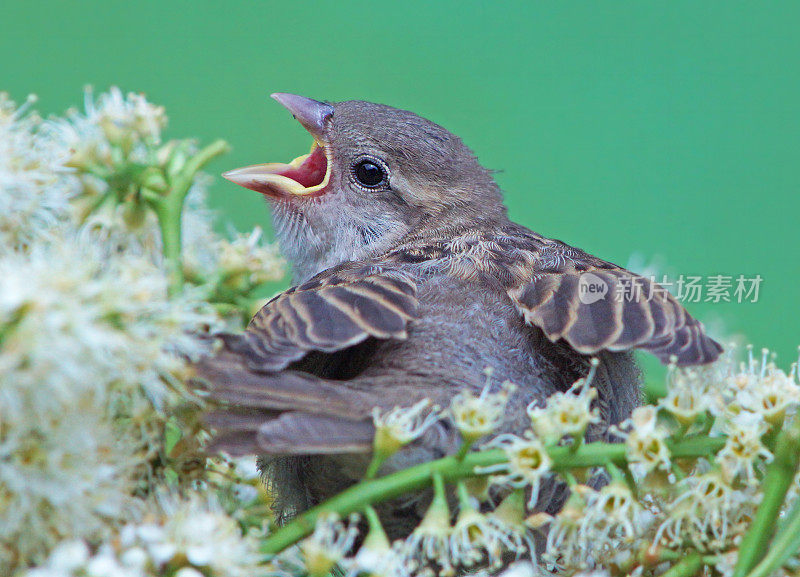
column 633, row 313
column 333, row 311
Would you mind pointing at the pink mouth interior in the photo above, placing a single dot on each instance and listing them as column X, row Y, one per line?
column 312, row 171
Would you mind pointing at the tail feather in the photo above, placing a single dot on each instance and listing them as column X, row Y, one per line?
column 234, row 443
column 228, row 380
column 304, row 434
column 284, row 413
column 295, row 433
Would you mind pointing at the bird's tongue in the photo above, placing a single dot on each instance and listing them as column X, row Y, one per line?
column 305, row 175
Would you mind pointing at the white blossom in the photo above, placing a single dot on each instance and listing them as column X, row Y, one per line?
column 566, row 540
column 401, row 425
column 35, row 184
column 91, row 350
column 743, row 447
column 198, row 533
column 596, row 526
column 187, row 537
column 766, row 390
column 478, row 537
column 247, row 259
column 613, row 516
column 477, row 416
column 111, row 125
column 645, row 442
column 528, row 463
column 707, row 511
column 430, row 541
column 377, row 560
column 685, row 403
column 331, row 541
column 566, row 414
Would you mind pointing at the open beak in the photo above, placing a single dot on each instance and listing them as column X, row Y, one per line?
column 305, row 175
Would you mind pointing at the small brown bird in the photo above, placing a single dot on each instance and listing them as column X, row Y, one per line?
column 411, row 281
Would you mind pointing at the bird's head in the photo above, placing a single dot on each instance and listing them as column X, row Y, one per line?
column 375, row 175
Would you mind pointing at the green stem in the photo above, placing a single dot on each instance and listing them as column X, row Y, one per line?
column 169, row 223
column 438, row 488
column 616, row 473
column 689, row 565
column 785, row 544
column 452, row 469
column 779, row 477
column 771, row 438
column 374, row 491
column 182, row 181
column 677, row 471
column 376, row 537
column 372, row 519
column 631, row 481
column 708, row 424
column 464, row 449
column 375, row 464
column 670, row 555
column 463, row 496
column 169, row 209
column 12, row 322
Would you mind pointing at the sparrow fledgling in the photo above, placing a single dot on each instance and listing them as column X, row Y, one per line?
column 410, row 281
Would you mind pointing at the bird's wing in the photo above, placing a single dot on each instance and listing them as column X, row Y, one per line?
column 333, row 311
column 270, row 409
column 594, row 305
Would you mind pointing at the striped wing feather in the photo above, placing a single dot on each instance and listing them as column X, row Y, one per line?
column 328, row 313
column 633, row 312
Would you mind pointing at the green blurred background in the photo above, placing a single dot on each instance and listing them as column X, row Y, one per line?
column 664, row 129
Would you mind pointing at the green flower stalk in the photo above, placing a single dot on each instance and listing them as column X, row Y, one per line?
column 168, row 207
column 452, row 469
column 780, row 475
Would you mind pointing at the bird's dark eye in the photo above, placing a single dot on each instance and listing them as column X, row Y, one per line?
column 369, row 173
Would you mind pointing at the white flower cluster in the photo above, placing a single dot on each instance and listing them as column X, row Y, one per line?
column 90, row 350
column 647, row 511
column 597, row 527
column 188, row 538
column 567, row 414
column 94, row 343
column 399, row 426
column 35, row 185
column 478, row 416
column 246, row 261
column 436, row 547
column 706, row 504
column 441, row 544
